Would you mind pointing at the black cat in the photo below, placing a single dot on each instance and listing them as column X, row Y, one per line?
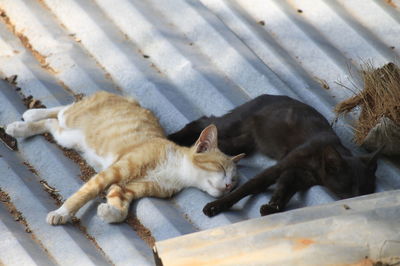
column 307, row 149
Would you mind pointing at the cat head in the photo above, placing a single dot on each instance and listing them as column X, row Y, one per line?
column 215, row 172
column 349, row 176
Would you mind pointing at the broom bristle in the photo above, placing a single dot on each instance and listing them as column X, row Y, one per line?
column 379, row 98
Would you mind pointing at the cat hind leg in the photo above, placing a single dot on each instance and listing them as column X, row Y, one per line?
column 289, row 182
column 20, row 129
column 33, row 115
column 87, row 192
column 119, row 198
column 116, row 208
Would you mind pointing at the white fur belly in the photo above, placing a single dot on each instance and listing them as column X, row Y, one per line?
column 75, row 139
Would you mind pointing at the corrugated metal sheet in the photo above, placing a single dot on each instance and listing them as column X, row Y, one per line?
column 360, row 231
column 182, row 59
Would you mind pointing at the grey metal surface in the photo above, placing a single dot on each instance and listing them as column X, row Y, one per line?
column 182, row 59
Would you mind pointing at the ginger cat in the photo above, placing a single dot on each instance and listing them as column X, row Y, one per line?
column 127, row 144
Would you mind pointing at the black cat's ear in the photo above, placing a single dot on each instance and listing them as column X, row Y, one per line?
column 370, row 159
column 238, row 157
column 332, row 159
column 208, row 139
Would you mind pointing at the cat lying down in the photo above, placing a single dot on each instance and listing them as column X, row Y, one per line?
column 307, row 149
column 124, row 140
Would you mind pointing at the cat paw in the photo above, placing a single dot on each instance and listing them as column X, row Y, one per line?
column 213, row 208
column 18, row 129
column 110, row 214
column 59, row 216
column 33, row 115
column 269, row 209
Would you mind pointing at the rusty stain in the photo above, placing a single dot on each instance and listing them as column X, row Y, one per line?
column 5, row 199
column 254, row 256
column 302, row 243
column 77, row 96
column 25, row 42
column 141, row 230
column 156, row 68
column 77, row 223
column 390, row 3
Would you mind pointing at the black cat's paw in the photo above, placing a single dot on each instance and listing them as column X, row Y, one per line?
column 213, row 208
column 269, row 209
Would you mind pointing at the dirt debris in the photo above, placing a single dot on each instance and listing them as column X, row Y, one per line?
column 31, row 168
column 9, row 141
column 12, row 79
column 324, row 84
column 46, row 187
column 378, row 99
column 346, row 207
column 86, row 170
column 79, row 96
column 52, row 192
column 18, row 217
column 32, row 103
column 29, row 101
column 26, row 43
column 141, row 230
column 77, row 223
column 4, row 196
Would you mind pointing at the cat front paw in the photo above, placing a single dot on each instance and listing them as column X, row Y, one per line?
column 110, row 214
column 17, row 129
column 269, row 209
column 59, row 216
column 213, row 208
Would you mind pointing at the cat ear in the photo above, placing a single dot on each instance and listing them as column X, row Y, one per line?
column 237, row 158
column 208, row 139
column 333, row 160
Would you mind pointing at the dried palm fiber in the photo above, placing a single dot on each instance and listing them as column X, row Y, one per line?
column 379, row 103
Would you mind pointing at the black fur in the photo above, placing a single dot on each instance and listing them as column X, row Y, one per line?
column 307, row 149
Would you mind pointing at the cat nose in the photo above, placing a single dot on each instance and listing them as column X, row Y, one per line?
column 228, row 186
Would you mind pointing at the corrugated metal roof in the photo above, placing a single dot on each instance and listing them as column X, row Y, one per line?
column 182, row 59
column 359, row 231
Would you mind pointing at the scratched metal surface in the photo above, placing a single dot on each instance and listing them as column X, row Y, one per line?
column 182, row 59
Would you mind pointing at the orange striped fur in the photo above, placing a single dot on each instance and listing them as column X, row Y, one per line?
column 127, row 146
